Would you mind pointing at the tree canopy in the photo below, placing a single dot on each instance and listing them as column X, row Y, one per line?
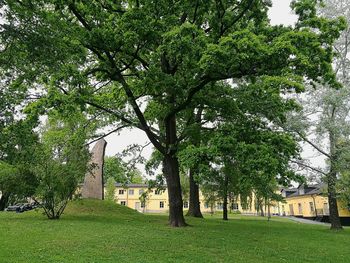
column 144, row 63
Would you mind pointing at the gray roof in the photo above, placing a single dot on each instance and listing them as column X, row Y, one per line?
column 131, row 185
column 309, row 190
column 289, row 191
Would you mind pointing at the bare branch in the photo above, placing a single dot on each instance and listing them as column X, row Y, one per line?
column 107, row 134
column 308, row 166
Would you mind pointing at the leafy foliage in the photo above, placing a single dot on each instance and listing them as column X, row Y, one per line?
column 110, row 190
column 60, row 163
column 118, row 170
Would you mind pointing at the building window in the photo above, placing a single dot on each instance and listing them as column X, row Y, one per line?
column 300, row 208
column 234, row 206
column 161, row 204
column 186, row 204
column 122, row 202
column 131, row 191
column 219, row 206
column 121, row 191
column 312, row 208
column 206, row 205
column 158, row 192
column 141, row 191
column 143, row 205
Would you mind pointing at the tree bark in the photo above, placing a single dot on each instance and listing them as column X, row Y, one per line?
column 332, row 200
column 171, row 171
column 331, row 181
column 172, row 175
column 194, row 208
column 4, row 201
column 224, row 212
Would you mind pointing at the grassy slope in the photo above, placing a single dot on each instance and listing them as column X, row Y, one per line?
column 95, row 231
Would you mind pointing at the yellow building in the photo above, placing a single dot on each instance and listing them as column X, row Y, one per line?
column 129, row 195
column 157, row 201
column 311, row 202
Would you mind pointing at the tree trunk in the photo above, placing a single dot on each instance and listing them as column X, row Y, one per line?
column 332, row 192
column 332, row 200
column 194, row 208
column 4, row 201
column 224, row 212
column 194, row 204
column 171, row 172
column 172, row 175
column 262, row 211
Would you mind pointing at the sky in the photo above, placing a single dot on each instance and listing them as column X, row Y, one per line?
column 280, row 13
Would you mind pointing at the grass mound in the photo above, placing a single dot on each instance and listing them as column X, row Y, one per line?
column 98, row 208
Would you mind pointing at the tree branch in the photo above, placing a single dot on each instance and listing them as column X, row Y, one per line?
column 107, row 134
column 308, row 166
column 313, row 145
column 153, row 137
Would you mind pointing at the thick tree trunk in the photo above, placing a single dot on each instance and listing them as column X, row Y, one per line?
column 4, row 201
column 171, row 171
column 262, row 211
column 194, row 203
column 332, row 200
column 194, row 208
column 332, row 192
column 172, row 175
column 224, row 212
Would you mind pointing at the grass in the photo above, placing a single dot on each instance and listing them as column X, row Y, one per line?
column 100, row 231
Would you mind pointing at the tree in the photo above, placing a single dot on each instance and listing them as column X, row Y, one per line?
column 110, row 189
column 210, row 195
column 323, row 123
column 61, row 161
column 185, row 186
column 114, row 169
column 344, row 188
column 195, row 140
column 6, row 172
column 142, row 63
column 144, row 197
column 17, row 183
column 117, row 169
column 17, row 144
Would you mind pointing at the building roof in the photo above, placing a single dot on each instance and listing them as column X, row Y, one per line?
column 131, row 185
column 289, row 191
column 303, row 190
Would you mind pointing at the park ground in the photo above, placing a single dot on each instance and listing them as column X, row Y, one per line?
column 101, row 231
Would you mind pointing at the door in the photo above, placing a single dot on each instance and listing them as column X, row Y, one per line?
column 291, row 210
column 325, row 209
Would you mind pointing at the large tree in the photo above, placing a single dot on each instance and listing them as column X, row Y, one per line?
column 323, row 123
column 141, row 63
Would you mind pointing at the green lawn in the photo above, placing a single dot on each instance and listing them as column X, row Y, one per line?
column 97, row 231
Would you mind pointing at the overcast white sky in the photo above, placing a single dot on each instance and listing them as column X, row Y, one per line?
column 279, row 14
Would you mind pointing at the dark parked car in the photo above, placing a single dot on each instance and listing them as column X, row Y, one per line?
column 20, row 208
